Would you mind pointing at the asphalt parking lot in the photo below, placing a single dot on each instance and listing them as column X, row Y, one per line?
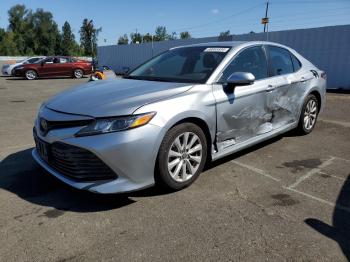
column 285, row 200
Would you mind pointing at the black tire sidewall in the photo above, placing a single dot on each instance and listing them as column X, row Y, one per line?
column 162, row 175
column 301, row 125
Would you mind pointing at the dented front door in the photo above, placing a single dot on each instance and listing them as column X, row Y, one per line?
column 242, row 113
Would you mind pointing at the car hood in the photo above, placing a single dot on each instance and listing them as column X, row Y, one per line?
column 113, row 97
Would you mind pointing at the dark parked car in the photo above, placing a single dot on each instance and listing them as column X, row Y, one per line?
column 53, row 66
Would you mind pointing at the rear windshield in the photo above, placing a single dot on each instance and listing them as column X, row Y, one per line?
column 185, row 65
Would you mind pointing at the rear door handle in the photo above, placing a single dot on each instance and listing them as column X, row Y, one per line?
column 270, row 88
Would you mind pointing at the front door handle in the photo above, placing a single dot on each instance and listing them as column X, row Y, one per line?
column 303, row 79
column 270, row 88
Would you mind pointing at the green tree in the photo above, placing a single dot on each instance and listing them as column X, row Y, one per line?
column 68, row 44
column 147, row 38
column 224, row 36
column 135, row 38
column 172, row 36
column 89, row 37
column 185, row 35
column 123, row 40
column 46, row 36
column 7, row 44
column 17, row 25
column 160, row 33
column 2, row 33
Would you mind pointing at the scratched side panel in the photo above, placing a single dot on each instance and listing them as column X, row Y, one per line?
column 242, row 113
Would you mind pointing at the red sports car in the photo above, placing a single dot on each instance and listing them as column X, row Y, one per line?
column 53, row 66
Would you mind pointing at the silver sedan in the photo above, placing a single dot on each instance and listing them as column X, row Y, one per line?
column 165, row 119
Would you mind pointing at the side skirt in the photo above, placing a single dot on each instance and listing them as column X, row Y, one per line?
column 253, row 141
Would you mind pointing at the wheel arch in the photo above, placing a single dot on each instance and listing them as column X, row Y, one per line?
column 203, row 125
column 78, row 67
column 30, row 68
column 318, row 97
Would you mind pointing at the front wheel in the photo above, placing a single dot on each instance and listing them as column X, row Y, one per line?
column 30, row 75
column 308, row 115
column 78, row 73
column 182, row 156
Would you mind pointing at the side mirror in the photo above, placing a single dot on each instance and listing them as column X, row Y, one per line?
column 240, row 79
column 42, row 63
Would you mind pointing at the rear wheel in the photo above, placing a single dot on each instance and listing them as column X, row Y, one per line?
column 308, row 115
column 181, row 157
column 30, row 75
column 78, row 73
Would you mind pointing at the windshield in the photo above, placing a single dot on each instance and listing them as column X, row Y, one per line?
column 184, row 65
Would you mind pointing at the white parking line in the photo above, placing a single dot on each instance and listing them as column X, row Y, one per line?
column 340, row 178
column 347, row 160
column 318, row 199
column 311, row 173
column 335, row 122
column 256, row 170
column 301, row 179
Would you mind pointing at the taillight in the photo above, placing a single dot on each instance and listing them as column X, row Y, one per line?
column 324, row 75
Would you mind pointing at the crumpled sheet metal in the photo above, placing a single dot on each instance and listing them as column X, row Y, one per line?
column 281, row 108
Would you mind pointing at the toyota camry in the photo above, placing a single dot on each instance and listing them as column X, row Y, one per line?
column 165, row 119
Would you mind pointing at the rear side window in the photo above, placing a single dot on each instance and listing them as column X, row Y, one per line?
column 63, row 60
column 280, row 61
column 296, row 63
column 250, row 60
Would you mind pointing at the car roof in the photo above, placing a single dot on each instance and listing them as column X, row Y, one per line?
column 232, row 43
column 222, row 43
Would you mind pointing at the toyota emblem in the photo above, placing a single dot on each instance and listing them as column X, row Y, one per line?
column 43, row 124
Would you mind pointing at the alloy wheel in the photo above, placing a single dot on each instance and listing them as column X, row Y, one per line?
column 78, row 73
column 310, row 114
column 185, row 156
column 30, row 75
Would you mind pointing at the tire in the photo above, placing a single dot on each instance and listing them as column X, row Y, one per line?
column 78, row 73
column 308, row 116
column 30, row 74
column 178, row 167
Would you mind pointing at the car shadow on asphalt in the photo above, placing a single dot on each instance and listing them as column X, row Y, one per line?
column 339, row 231
column 21, row 175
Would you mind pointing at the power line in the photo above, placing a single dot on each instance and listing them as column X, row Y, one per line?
column 255, row 22
column 219, row 20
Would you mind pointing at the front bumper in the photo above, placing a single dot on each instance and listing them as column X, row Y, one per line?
column 18, row 72
column 5, row 71
column 130, row 154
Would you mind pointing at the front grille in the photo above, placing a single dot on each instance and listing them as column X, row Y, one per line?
column 77, row 163
column 61, row 124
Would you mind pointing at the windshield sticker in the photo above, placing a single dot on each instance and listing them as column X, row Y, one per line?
column 217, row 49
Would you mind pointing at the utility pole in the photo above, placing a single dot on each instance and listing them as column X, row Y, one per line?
column 265, row 21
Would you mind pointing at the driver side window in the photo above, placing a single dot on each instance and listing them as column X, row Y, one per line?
column 252, row 60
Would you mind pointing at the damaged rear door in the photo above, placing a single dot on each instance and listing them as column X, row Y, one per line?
column 284, row 95
column 242, row 112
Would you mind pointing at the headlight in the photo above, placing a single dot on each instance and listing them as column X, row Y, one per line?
column 114, row 124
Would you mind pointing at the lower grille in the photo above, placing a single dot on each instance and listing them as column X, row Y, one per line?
column 78, row 163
